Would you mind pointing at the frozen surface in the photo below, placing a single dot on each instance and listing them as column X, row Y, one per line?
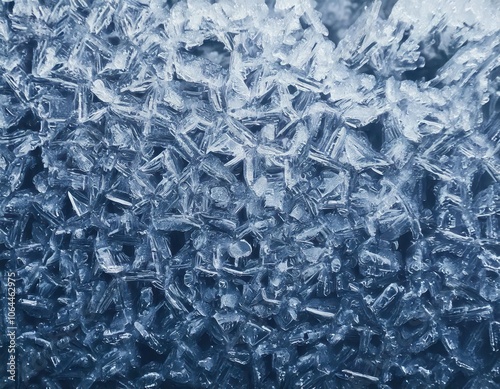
column 250, row 194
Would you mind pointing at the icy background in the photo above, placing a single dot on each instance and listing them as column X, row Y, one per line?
column 250, row 194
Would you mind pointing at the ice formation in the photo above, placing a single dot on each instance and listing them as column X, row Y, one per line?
column 250, row 194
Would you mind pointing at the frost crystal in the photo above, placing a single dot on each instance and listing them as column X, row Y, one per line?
column 250, row 194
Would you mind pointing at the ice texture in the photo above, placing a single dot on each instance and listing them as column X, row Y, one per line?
column 250, row 194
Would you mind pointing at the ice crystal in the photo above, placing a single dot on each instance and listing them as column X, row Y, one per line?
column 250, row 194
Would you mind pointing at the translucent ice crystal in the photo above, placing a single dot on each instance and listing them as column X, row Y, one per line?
column 251, row 194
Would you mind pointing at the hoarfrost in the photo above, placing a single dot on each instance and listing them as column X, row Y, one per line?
column 248, row 194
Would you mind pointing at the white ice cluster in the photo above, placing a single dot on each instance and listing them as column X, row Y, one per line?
column 252, row 194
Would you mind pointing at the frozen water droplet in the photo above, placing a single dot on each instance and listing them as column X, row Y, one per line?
column 240, row 249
